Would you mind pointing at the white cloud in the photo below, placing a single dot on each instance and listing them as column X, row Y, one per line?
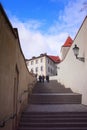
column 34, row 42
column 70, row 19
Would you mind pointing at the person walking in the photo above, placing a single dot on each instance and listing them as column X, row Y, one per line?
column 43, row 77
column 47, row 78
column 40, row 78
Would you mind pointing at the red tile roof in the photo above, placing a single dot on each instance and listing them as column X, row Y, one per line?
column 56, row 59
column 68, row 42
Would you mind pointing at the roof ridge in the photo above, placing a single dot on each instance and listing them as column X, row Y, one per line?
column 68, row 42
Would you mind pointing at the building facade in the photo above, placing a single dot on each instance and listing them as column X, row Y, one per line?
column 43, row 65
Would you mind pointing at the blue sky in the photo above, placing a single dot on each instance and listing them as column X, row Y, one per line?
column 44, row 25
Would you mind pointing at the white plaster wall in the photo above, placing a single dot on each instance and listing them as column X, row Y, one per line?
column 72, row 72
column 53, row 77
column 64, row 51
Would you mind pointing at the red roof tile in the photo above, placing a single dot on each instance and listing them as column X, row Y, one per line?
column 56, row 59
column 68, row 42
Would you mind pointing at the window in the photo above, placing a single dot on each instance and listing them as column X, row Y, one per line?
column 32, row 70
column 48, row 69
column 48, row 61
column 27, row 63
column 32, row 62
column 41, row 68
column 52, row 63
column 41, row 60
column 36, row 61
column 36, row 69
column 51, row 71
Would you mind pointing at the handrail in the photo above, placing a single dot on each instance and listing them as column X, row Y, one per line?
column 25, row 91
column 4, row 121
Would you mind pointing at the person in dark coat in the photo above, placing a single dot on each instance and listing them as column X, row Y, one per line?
column 47, row 78
column 40, row 78
column 43, row 77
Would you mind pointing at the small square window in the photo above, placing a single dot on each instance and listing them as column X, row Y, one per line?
column 27, row 63
column 32, row 62
column 32, row 70
column 41, row 60
column 48, row 69
column 41, row 68
column 36, row 69
column 36, row 61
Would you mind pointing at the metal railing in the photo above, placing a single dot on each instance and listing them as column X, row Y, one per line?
column 4, row 121
column 25, row 91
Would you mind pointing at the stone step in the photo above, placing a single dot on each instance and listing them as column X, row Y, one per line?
column 56, row 117
column 52, row 120
column 54, row 114
column 55, row 98
column 59, row 128
column 52, row 86
column 51, row 109
column 53, row 125
column 56, row 90
column 54, row 107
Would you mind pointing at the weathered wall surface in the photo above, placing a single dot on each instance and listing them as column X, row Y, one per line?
column 14, row 75
column 64, row 51
column 72, row 72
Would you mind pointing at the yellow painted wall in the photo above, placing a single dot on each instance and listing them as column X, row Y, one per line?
column 12, row 67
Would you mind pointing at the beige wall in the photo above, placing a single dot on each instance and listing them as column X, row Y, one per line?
column 64, row 51
column 14, row 75
column 72, row 72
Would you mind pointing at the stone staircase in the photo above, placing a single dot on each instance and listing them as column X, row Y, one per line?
column 54, row 107
column 53, row 93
